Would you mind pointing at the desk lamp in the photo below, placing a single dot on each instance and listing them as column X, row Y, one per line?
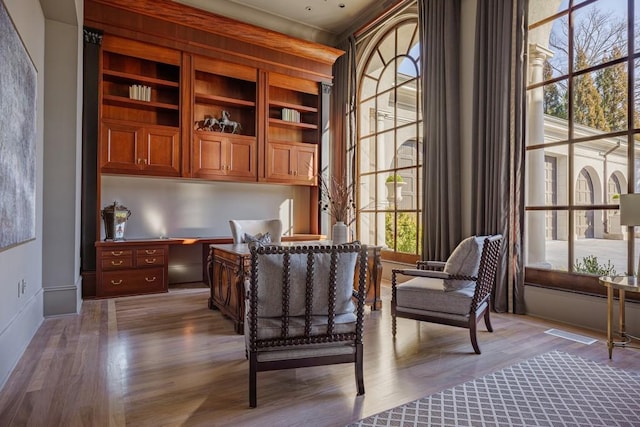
column 630, row 216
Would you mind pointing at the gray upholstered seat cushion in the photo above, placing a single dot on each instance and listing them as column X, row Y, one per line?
column 271, row 327
column 270, row 278
column 426, row 293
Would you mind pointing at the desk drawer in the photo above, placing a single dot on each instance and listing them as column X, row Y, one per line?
column 116, row 263
column 150, row 251
column 116, row 253
column 129, row 282
column 149, row 260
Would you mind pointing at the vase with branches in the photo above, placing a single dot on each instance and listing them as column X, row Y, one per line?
column 337, row 200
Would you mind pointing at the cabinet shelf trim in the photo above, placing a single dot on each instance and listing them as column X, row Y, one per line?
column 293, row 106
column 278, row 122
column 216, row 99
column 146, row 104
column 139, row 78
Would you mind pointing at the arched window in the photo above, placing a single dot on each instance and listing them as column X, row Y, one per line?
column 390, row 140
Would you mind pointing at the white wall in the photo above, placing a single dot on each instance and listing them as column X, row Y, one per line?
column 62, row 282
column 189, row 208
column 21, row 313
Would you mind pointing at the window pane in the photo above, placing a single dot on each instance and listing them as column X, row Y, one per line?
column 367, row 228
column 386, row 150
column 375, row 66
column 591, row 95
column 367, row 199
column 388, row 77
column 547, row 183
column 600, row 33
column 368, row 117
column 368, row 87
column 405, row 100
column 367, row 153
column 543, row 9
column 407, row 232
column 636, row 93
column 636, row 25
column 406, row 36
column 547, row 236
column 558, row 44
column 556, row 110
column 595, row 254
column 594, row 163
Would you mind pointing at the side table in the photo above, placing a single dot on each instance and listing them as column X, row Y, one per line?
column 622, row 284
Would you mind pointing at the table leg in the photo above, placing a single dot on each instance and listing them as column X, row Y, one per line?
column 621, row 316
column 609, row 320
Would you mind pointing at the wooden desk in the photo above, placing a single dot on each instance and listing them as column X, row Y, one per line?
column 229, row 264
column 227, row 267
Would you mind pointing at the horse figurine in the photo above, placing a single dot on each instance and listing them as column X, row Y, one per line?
column 208, row 123
column 224, row 122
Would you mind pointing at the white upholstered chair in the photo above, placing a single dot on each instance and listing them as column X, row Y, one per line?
column 253, row 227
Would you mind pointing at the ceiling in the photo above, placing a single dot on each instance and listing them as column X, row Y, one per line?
column 322, row 21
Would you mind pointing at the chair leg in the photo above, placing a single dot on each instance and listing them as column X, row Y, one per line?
column 393, row 325
column 472, row 332
column 359, row 370
column 253, row 368
column 487, row 321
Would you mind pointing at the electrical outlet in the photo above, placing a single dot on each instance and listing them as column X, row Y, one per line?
column 24, row 286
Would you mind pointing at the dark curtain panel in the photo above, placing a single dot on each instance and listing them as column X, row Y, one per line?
column 440, row 77
column 343, row 113
column 498, row 151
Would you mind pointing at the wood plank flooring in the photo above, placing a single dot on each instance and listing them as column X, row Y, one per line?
column 167, row 360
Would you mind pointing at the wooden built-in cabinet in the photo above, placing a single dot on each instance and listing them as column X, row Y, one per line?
column 217, row 153
column 129, row 269
column 292, row 130
column 139, row 136
column 194, row 65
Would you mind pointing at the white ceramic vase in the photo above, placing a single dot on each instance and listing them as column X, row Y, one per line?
column 339, row 233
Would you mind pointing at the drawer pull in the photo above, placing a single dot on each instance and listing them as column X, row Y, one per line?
column 119, row 262
column 116, row 283
column 153, row 279
column 150, row 251
column 150, row 260
column 116, row 253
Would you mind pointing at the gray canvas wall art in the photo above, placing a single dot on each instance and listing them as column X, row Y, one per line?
column 18, row 89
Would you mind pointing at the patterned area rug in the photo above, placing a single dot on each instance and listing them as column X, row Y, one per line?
column 552, row 389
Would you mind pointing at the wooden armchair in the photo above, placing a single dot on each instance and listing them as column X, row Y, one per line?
column 456, row 292
column 302, row 309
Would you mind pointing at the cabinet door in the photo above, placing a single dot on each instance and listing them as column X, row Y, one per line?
column 160, row 152
column 209, row 155
column 218, row 156
column 279, row 160
column 138, row 150
column 119, row 147
column 293, row 163
column 304, row 164
column 242, row 161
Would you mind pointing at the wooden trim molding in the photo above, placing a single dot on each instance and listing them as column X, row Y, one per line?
column 586, row 284
column 188, row 16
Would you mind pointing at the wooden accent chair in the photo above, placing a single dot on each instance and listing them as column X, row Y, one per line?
column 302, row 309
column 456, row 292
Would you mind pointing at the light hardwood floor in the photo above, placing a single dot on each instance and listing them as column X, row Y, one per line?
column 167, row 360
